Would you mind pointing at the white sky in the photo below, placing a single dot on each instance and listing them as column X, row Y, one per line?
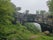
column 31, row 5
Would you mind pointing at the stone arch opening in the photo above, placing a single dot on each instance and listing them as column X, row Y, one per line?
column 45, row 27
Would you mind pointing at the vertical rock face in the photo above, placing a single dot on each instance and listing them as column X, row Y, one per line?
column 38, row 26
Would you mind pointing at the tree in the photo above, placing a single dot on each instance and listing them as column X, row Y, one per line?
column 50, row 6
column 6, row 11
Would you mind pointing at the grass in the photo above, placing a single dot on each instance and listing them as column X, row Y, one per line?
column 19, row 32
column 42, row 37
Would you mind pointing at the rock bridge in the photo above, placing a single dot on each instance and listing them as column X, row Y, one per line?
column 45, row 22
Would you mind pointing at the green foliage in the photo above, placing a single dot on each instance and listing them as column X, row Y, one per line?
column 8, row 31
column 32, row 28
column 14, row 32
column 42, row 37
column 50, row 5
column 6, row 11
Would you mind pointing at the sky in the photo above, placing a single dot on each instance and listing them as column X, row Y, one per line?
column 31, row 5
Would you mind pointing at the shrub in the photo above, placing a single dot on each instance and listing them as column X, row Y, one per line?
column 32, row 28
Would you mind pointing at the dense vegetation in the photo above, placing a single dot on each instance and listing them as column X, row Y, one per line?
column 50, row 6
column 8, row 30
column 32, row 28
column 11, row 31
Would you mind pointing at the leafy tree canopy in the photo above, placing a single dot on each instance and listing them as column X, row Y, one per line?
column 6, row 10
column 50, row 5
